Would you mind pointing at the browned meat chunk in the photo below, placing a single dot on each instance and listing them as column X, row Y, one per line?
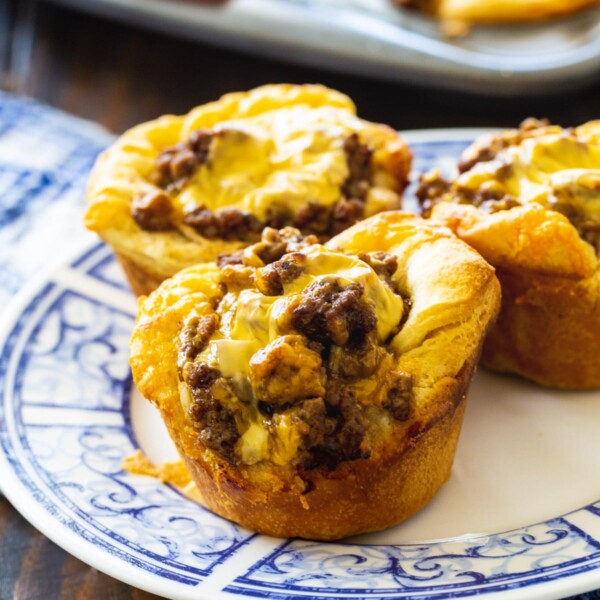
column 337, row 437
column 225, row 260
column 216, row 424
column 486, row 151
column 152, row 211
column 383, row 263
column 314, row 426
column 286, row 371
column 345, row 213
column 399, row 395
column 358, row 159
column 353, row 362
column 229, row 224
column 328, row 312
column 176, row 165
column 215, row 421
column 234, row 277
column 271, row 279
column 195, row 336
column 313, row 217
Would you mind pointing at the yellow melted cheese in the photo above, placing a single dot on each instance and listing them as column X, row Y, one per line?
column 556, row 169
column 276, row 161
column 251, row 320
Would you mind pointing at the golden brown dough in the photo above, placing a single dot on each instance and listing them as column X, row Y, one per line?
column 318, row 391
column 181, row 190
column 529, row 201
column 498, row 11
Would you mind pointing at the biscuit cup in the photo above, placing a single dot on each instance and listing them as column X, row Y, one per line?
column 529, row 201
column 181, row 190
column 318, row 391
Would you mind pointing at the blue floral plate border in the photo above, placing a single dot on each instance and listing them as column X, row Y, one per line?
column 66, row 425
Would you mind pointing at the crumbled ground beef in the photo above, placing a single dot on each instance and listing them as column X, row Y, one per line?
column 214, row 421
column 195, row 336
column 328, row 221
column 336, row 437
column 228, row 224
column 488, row 150
column 329, row 313
column 216, row 425
column 225, row 260
column 345, row 213
column 176, row 165
column 433, row 189
column 399, row 395
column 327, row 343
column 273, row 245
column 359, row 161
column 271, row 279
column 314, row 426
column 354, row 362
column 383, row 263
column 152, row 211
column 287, row 371
column 270, row 252
column 236, row 277
column 200, row 376
column 313, row 217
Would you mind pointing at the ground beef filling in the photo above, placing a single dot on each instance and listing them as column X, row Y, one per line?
column 228, row 224
column 433, row 189
column 487, row 151
column 152, row 211
column 327, row 343
column 175, row 166
column 214, row 420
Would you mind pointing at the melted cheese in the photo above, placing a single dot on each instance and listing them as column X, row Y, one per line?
column 275, row 162
column 251, row 320
column 555, row 170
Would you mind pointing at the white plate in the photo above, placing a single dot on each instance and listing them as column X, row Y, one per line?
column 371, row 37
column 520, row 514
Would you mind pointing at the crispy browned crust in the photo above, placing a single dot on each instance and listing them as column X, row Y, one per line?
column 548, row 330
column 455, row 298
column 358, row 497
column 123, row 173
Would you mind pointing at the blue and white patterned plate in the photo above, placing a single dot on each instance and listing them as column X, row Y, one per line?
column 519, row 517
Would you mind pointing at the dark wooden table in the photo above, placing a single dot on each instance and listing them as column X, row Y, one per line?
column 118, row 76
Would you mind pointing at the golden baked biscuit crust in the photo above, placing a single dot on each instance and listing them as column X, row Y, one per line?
column 183, row 189
column 529, row 201
column 318, row 391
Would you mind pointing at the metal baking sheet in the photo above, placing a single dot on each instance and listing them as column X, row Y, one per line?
column 371, row 37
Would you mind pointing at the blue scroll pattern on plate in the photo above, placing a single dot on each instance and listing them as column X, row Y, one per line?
column 496, row 562
column 74, row 360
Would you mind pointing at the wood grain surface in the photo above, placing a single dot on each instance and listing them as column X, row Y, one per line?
column 118, row 76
